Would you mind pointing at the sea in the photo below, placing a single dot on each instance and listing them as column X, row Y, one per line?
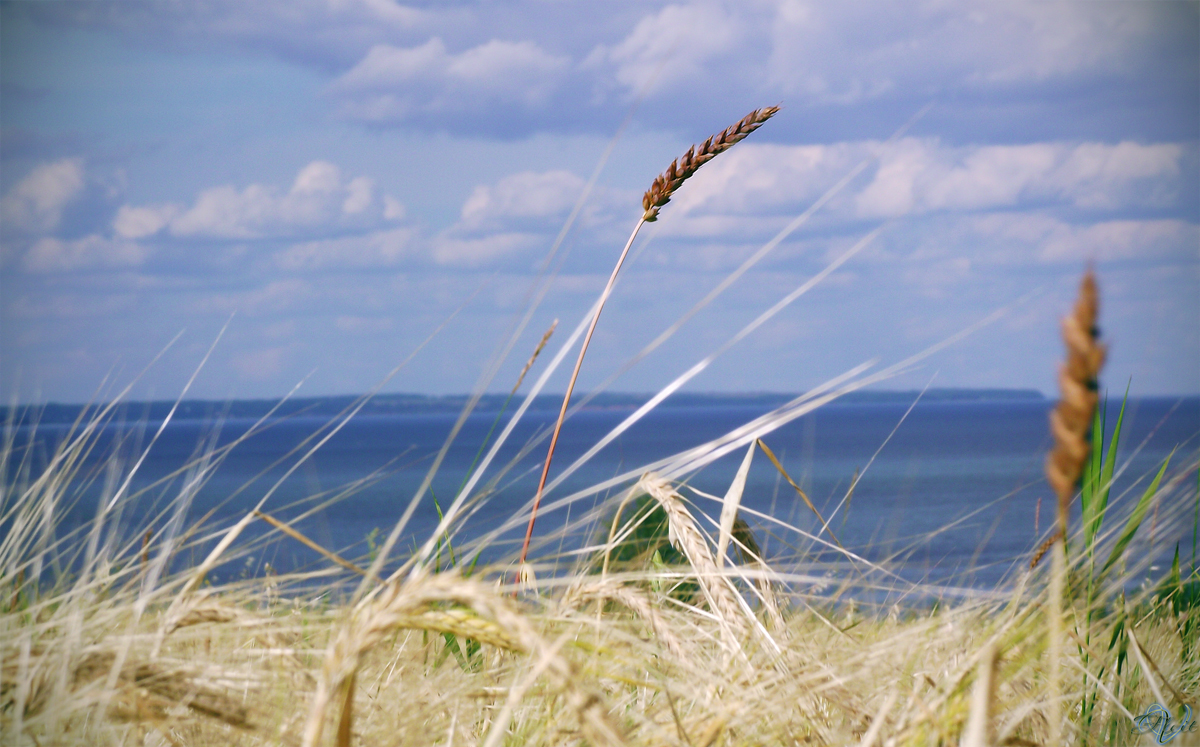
column 948, row 488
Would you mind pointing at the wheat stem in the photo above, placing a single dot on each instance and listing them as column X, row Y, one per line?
column 664, row 185
column 1069, row 423
column 562, row 413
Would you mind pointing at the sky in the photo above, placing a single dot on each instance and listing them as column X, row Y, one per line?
column 345, row 186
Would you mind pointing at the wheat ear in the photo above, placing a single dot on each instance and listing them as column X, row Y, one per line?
column 1069, row 424
column 404, row 605
column 686, row 536
column 630, row 599
column 683, row 167
column 658, row 195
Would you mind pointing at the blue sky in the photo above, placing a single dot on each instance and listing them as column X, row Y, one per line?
column 341, row 176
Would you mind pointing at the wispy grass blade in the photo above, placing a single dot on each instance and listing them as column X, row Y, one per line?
column 729, row 506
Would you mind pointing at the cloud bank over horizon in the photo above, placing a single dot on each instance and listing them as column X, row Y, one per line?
column 343, row 177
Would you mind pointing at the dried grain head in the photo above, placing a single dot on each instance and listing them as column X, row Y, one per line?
column 490, row 618
column 1070, row 420
column 681, row 168
column 632, row 599
column 687, row 538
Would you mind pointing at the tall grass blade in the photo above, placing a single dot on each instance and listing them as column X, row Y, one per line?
column 1135, row 519
column 1101, row 467
column 729, row 507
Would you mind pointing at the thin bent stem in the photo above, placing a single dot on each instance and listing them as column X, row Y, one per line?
column 562, row 413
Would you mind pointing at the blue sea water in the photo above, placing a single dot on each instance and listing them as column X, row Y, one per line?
column 950, row 493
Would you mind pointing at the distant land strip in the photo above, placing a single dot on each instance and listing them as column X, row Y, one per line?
column 419, row 404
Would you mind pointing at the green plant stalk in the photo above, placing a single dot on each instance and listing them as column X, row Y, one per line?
column 562, row 413
column 1135, row 519
column 1196, row 525
column 1093, row 497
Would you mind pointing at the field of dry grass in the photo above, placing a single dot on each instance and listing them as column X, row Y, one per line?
column 683, row 636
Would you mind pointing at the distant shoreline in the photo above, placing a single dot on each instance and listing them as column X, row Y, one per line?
column 413, row 404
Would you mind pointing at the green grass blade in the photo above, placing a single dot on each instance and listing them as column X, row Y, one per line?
column 1196, row 523
column 1104, row 484
column 1135, row 520
column 1090, row 479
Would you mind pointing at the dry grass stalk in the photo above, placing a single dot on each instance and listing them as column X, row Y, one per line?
column 1042, row 549
column 686, row 536
column 808, row 502
column 631, row 599
column 659, row 193
column 399, row 604
column 979, row 722
column 1069, row 424
column 150, row 691
column 302, row 539
column 668, row 182
column 752, row 558
column 536, row 352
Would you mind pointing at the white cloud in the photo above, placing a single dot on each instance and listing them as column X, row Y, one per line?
column 320, row 199
column 755, row 177
column 921, row 176
column 1123, row 240
column 56, row 255
column 359, row 197
column 139, row 222
column 1037, row 237
column 748, row 190
column 35, row 204
column 849, row 52
column 395, row 83
column 522, row 212
column 670, row 46
column 378, row 249
column 524, row 195
column 448, row 250
column 393, row 209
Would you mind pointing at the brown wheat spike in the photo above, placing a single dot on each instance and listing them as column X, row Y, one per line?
column 536, row 352
column 681, row 168
column 1071, row 419
column 1069, row 423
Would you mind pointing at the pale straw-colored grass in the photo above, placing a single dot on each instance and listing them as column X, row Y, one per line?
column 107, row 638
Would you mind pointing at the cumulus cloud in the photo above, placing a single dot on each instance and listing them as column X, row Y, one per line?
column 396, row 83
column 672, row 45
column 91, row 252
column 507, row 67
column 916, row 176
column 35, row 204
column 922, row 176
column 849, row 52
column 320, row 199
column 1117, row 240
column 139, row 222
column 473, row 252
column 521, row 212
column 527, row 195
column 375, row 249
column 1009, row 239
